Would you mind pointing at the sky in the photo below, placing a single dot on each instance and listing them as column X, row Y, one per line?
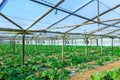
column 24, row 12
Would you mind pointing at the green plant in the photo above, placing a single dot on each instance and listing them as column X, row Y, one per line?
column 107, row 75
column 99, row 62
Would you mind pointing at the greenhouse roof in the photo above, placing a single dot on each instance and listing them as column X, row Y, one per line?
column 78, row 17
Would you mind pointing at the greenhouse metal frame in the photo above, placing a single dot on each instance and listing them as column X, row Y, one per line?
column 88, row 21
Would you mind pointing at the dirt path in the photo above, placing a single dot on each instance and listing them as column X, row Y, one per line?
column 86, row 75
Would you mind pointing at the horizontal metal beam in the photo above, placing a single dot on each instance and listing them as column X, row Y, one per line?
column 69, row 12
column 95, row 35
column 13, row 31
column 99, row 29
column 11, row 21
column 17, row 31
column 41, row 17
column 80, row 24
column 117, row 19
column 116, row 35
column 61, row 10
column 94, row 18
column 10, row 29
column 113, row 31
column 82, row 6
column 45, row 31
column 74, row 33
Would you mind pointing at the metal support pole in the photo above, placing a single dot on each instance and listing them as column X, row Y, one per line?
column 36, row 46
column 14, row 45
column 40, row 42
column 72, row 42
column 23, row 48
column 91, row 41
column 11, row 49
column 54, row 42
column 86, row 48
column 57, row 42
column 45, row 43
column 86, row 41
column 101, row 46
column 97, row 42
column 31, row 41
column 11, row 46
column 75, row 44
column 63, row 45
column 112, row 45
column 49, row 42
column 119, row 42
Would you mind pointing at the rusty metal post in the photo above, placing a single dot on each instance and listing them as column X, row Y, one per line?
column 112, row 45
column 97, row 42
column 119, row 42
column 87, row 42
column 75, row 43
column 86, row 48
column 23, row 48
column 72, row 42
column 49, row 42
column 36, row 45
column 91, row 41
column 14, row 45
column 54, row 42
column 63, row 45
column 11, row 50
column 101, row 45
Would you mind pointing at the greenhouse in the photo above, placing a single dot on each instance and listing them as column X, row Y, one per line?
column 59, row 39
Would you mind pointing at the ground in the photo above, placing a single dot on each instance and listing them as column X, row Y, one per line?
column 86, row 75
